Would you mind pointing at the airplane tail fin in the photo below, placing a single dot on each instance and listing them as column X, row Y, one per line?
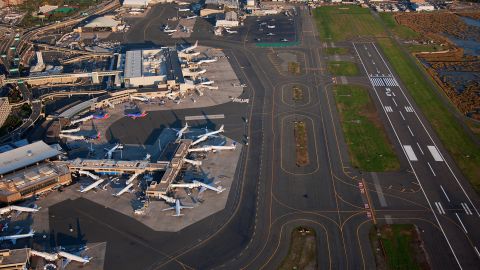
column 222, row 128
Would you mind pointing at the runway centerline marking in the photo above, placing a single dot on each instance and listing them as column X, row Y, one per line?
column 445, row 193
column 401, row 114
column 435, row 154
column 461, row 223
column 420, row 148
column 431, row 169
column 409, row 129
column 396, row 105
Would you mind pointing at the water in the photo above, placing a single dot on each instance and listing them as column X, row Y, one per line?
column 471, row 21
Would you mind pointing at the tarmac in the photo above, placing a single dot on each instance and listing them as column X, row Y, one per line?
column 270, row 197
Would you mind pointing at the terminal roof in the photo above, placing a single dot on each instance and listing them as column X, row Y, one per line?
column 26, row 155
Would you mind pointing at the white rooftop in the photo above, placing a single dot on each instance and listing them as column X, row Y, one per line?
column 26, row 155
column 143, row 3
column 105, row 21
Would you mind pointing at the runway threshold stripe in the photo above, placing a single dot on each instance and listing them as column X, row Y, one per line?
column 435, row 154
column 410, row 153
column 203, row 117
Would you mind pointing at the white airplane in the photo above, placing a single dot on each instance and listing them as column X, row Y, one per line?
column 208, row 134
column 191, row 48
column 183, row 3
column 182, row 131
column 183, row 9
column 169, row 30
column 140, row 98
column 93, row 185
column 191, row 17
column 111, row 150
column 284, row 40
column 17, row 236
column 205, row 136
column 205, row 61
column 231, row 31
column 207, row 83
column 72, row 257
column 270, row 34
column 271, row 26
column 8, row 209
column 178, row 207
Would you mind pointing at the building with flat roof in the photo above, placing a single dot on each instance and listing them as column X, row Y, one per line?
column 104, row 23
column 135, row 3
column 151, row 67
column 27, row 155
column 27, row 170
column 5, row 110
column 33, row 180
column 14, row 259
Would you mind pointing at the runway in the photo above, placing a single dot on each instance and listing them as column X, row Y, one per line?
column 446, row 192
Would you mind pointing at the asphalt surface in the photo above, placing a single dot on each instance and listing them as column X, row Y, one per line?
column 272, row 196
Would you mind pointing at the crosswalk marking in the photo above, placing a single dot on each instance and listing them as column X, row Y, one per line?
column 389, row 81
column 408, row 109
column 388, row 109
column 377, row 81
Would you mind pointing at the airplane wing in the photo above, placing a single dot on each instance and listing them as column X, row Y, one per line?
column 185, row 207
column 170, row 208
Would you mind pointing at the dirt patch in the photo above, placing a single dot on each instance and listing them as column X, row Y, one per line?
column 294, row 68
column 300, row 132
column 302, row 252
column 297, row 94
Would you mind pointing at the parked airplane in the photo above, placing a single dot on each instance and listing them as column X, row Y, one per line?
column 137, row 115
column 191, row 48
column 208, row 134
column 182, row 131
column 111, row 150
column 191, row 17
column 17, row 236
column 178, row 207
column 284, row 40
column 167, row 29
column 271, row 26
column 141, row 98
column 270, row 34
column 231, row 31
column 183, row 9
column 100, row 115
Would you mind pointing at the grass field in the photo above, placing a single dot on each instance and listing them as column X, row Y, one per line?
column 337, row 50
column 302, row 253
column 339, row 23
column 460, row 145
column 400, row 247
column 400, row 30
column 369, row 147
column 343, row 68
column 300, row 132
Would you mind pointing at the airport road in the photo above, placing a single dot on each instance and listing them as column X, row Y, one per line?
column 448, row 195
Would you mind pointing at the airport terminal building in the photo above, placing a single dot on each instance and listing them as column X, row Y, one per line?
column 28, row 170
column 152, row 67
